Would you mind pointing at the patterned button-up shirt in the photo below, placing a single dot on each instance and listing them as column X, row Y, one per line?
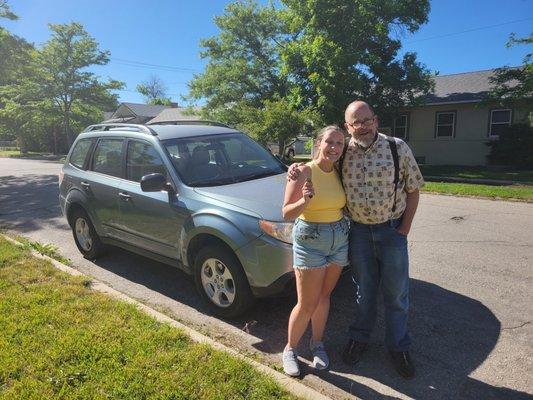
column 368, row 180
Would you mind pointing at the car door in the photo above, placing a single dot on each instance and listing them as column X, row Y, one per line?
column 148, row 219
column 102, row 184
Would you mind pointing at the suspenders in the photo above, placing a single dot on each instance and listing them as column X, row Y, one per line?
column 395, row 159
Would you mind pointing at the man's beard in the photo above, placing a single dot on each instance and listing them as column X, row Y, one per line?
column 364, row 142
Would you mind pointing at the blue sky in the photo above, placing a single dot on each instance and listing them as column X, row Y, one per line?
column 461, row 35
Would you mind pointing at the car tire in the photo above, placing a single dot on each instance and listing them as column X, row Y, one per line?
column 221, row 281
column 85, row 236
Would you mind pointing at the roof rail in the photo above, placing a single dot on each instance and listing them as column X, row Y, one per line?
column 107, row 127
column 191, row 122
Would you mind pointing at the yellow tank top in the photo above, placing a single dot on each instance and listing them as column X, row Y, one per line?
column 329, row 199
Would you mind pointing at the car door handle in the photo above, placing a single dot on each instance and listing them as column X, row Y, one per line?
column 124, row 196
column 85, row 185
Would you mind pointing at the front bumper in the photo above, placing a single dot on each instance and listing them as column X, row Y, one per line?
column 267, row 263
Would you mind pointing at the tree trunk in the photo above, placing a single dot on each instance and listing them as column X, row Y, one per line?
column 66, row 127
column 281, row 147
column 55, row 139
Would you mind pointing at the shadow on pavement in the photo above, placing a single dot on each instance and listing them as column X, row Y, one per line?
column 452, row 334
column 28, row 201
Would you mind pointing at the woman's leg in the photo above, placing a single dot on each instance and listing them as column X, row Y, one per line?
column 320, row 315
column 309, row 284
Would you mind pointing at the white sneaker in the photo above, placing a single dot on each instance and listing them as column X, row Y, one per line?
column 320, row 357
column 290, row 362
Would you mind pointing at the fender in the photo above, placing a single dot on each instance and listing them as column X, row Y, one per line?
column 213, row 223
column 76, row 196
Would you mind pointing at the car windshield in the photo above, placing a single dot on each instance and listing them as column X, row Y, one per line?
column 221, row 159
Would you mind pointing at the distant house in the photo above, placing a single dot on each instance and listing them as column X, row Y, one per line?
column 135, row 113
column 453, row 127
column 173, row 114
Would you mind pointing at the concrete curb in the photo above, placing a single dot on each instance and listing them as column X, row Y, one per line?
column 291, row 385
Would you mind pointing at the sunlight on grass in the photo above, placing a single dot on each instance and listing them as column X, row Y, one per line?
column 493, row 192
column 59, row 339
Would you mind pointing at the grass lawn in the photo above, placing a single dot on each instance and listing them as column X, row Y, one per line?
column 59, row 339
column 494, row 192
column 476, row 173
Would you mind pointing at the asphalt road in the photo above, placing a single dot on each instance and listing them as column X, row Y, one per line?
column 471, row 295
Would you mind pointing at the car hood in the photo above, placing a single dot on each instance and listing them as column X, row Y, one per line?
column 262, row 197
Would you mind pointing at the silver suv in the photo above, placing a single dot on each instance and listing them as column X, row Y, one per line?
column 200, row 196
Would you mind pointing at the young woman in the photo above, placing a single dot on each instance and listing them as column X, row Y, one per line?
column 320, row 245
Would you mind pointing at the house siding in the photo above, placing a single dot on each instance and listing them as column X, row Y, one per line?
column 466, row 147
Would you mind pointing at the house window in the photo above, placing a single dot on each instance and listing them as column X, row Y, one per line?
column 401, row 124
column 499, row 120
column 445, row 124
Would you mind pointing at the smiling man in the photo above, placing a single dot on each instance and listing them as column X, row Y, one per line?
column 382, row 181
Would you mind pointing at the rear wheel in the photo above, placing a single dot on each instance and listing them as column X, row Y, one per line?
column 85, row 236
column 221, row 281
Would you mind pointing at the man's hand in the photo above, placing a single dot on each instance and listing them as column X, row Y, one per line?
column 403, row 229
column 293, row 173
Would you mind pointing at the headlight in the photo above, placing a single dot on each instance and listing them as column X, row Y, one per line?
column 279, row 230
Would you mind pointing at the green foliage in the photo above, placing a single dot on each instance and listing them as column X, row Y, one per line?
column 62, row 65
column 514, row 86
column 514, row 147
column 312, row 57
column 46, row 94
column 5, row 11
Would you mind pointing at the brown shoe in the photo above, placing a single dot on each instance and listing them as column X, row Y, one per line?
column 351, row 354
column 403, row 364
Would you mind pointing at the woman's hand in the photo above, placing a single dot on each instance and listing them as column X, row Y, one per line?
column 307, row 190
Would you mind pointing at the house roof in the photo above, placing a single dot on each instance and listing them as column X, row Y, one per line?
column 137, row 110
column 465, row 87
column 172, row 115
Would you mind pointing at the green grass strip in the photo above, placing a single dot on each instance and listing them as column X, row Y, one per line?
column 61, row 340
column 493, row 192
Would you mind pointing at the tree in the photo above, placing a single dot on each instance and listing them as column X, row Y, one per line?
column 514, row 86
column 311, row 55
column 62, row 67
column 5, row 11
column 513, row 147
column 154, row 91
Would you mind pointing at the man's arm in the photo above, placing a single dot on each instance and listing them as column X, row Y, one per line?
column 409, row 213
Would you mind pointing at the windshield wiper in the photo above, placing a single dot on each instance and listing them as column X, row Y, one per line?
column 256, row 175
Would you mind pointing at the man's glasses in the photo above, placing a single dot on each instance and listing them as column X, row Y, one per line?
column 365, row 122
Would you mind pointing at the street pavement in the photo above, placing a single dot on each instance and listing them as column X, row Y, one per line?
column 471, row 291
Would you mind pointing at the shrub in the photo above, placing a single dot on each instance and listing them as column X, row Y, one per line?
column 514, row 147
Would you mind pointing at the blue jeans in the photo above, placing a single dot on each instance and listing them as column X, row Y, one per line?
column 378, row 256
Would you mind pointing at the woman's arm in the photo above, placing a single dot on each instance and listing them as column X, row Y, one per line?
column 297, row 194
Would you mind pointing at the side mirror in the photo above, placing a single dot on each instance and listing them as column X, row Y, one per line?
column 155, row 183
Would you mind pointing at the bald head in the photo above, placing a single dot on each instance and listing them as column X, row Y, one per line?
column 356, row 108
column 360, row 122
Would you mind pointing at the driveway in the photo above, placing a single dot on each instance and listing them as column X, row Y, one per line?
column 471, row 291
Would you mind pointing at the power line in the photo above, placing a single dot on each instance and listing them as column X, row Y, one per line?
column 135, row 91
column 140, row 64
column 469, row 30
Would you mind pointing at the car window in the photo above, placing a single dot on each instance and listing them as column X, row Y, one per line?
column 79, row 153
column 142, row 159
column 221, row 159
column 107, row 157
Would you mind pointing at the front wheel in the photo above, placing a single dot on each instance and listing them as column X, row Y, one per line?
column 221, row 281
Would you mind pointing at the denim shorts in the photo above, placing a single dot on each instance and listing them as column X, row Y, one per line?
column 317, row 244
